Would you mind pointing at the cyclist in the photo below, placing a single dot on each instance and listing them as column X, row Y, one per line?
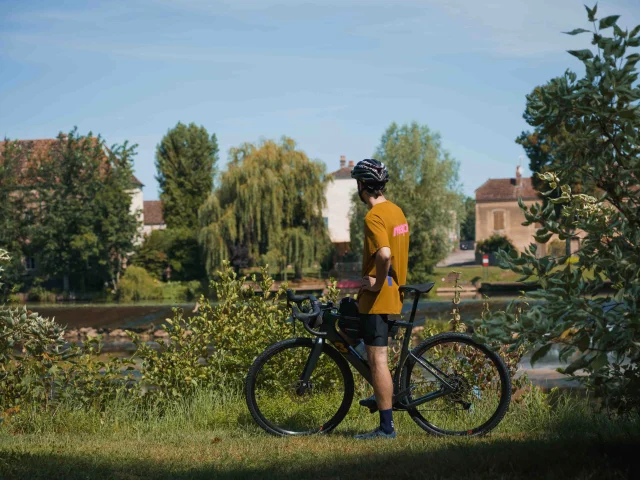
column 384, row 269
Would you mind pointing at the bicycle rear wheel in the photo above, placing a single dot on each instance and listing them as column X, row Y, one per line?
column 480, row 380
column 279, row 401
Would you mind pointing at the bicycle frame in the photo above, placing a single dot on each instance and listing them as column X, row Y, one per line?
column 330, row 334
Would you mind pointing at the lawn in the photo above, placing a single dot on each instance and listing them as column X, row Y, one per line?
column 211, row 437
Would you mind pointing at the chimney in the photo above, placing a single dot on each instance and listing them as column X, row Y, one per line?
column 518, row 176
column 351, row 164
column 343, row 161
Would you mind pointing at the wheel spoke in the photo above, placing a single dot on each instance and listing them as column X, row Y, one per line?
column 477, row 384
column 287, row 404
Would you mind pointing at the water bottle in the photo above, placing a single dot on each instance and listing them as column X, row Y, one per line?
column 362, row 351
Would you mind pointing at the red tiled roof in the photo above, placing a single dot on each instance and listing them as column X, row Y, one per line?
column 38, row 150
column 344, row 172
column 153, row 212
column 504, row 189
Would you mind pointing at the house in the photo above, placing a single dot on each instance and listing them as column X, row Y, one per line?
column 497, row 210
column 336, row 214
column 152, row 217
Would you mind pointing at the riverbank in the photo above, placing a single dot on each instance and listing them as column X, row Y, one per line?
column 551, row 437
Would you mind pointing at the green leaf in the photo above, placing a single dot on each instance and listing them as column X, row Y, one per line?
column 634, row 32
column 600, row 361
column 541, row 352
column 576, row 365
column 577, row 31
column 591, row 12
column 581, row 54
column 609, row 21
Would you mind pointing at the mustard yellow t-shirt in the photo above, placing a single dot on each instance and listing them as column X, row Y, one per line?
column 385, row 226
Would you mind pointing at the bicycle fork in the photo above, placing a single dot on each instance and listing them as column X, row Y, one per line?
column 304, row 382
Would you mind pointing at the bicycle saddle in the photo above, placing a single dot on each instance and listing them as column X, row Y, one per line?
column 422, row 288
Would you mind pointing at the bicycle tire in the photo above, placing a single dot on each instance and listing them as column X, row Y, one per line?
column 505, row 385
column 331, row 353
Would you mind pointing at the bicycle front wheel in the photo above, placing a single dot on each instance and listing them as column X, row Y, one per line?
column 283, row 404
column 469, row 385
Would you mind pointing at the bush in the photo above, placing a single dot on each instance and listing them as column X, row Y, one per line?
column 598, row 333
column 137, row 284
column 215, row 348
column 38, row 368
column 494, row 244
column 40, row 294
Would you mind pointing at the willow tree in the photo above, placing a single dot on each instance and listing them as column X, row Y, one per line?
column 268, row 204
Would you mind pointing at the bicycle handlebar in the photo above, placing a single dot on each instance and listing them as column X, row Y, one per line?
column 305, row 318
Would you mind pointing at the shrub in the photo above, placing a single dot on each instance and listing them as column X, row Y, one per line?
column 137, row 284
column 216, row 347
column 38, row 368
column 40, row 294
column 494, row 244
column 598, row 333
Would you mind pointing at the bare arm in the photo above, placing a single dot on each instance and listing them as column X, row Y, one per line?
column 383, row 262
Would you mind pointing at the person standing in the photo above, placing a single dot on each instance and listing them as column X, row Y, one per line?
column 384, row 270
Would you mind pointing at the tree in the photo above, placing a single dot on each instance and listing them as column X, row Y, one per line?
column 186, row 162
column 83, row 228
column 468, row 226
column 176, row 248
column 269, row 201
column 599, row 332
column 424, row 183
column 14, row 215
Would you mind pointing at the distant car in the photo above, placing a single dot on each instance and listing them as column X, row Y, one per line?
column 467, row 245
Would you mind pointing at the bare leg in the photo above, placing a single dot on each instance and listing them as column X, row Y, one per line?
column 380, row 376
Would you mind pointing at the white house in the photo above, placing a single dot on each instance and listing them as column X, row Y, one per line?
column 338, row 196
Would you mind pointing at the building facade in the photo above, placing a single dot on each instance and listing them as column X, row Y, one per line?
column 498, row 212
column 337, row 211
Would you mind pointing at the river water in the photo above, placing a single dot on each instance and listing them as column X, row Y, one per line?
column 112, row 320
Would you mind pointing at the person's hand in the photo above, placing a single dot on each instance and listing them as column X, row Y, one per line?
column 369, row 284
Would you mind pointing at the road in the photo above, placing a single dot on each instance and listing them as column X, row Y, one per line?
column 459, row 257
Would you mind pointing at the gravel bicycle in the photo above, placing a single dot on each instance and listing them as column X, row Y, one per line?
column 449, row 384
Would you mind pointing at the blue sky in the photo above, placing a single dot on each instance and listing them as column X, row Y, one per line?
column 331, row 74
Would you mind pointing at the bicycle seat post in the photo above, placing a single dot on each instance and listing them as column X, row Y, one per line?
column 414, row 308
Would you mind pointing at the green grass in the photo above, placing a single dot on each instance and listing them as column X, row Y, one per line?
column 467, row 274
column 214, row 437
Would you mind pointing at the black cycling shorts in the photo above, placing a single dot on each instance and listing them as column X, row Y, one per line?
column 375, row 329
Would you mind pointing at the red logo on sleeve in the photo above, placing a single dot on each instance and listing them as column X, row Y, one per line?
column 401, row 229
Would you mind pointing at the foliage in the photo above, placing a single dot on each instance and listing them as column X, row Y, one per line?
column 38, row 293
column 37, row 368
column 468, row 225
column 214, row 348
column 186, row 162
column 136, row 284
column 152, row 253
column 494, row 244
column 83, row 227
column 14, row 215
column 176, row 249
column 269, row 202
column 600, row 335
column 424, row 183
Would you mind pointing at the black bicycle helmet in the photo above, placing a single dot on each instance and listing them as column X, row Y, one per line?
column 371, row 172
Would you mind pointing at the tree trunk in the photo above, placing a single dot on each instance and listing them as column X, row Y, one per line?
column 298, row 271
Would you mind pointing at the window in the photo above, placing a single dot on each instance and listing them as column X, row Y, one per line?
column 30, row 263
column 326, row 221
column 498, row 220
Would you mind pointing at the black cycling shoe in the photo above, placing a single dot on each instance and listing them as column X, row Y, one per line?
column 370, row 403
